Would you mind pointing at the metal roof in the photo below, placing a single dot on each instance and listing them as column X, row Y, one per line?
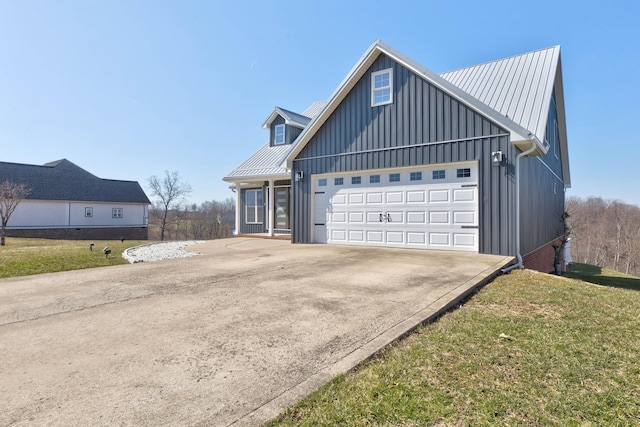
column 289, row 117
column 315, row 109
column 264, row 163
column 518, row 87
column 63, row 180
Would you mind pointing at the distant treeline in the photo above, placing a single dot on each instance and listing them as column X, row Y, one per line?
column 207, row 221
column 605, row 233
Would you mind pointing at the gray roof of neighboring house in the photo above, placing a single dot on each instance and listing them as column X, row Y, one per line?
column 63, row 180
column 518, row 87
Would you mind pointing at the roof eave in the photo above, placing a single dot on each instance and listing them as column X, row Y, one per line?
column 259, row 177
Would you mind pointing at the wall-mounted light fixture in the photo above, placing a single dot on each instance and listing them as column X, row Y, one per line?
column 299, row 175
column 496, row 158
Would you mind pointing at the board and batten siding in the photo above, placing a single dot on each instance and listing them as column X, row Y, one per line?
column 423, row 126
column 542, row 190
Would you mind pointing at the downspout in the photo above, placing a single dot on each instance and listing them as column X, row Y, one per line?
column 518, row 255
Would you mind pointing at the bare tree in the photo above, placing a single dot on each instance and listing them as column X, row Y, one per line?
column 170, row 191
column 11, row 194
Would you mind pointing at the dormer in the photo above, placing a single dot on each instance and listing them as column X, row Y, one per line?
column 284, row 126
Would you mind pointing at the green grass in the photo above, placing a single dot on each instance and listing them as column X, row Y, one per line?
column 22, row 257
column 528, row 349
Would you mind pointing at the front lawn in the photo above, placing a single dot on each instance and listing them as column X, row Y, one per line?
column 528, row 349
column 22, row 257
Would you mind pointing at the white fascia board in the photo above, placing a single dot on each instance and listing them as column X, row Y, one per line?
column 252, row 178
column 564, row 145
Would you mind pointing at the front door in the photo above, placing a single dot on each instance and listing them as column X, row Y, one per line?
column 282, row 208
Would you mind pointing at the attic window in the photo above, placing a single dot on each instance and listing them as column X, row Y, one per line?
column 381, row 83
column 278, row 135
column 116, row 213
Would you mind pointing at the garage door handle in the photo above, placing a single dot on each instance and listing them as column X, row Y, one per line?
column 380, row 217
column 388, row 217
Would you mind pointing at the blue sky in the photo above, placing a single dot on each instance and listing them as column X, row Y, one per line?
column 129, row 89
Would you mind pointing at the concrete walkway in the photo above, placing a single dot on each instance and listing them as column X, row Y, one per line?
column 228, row 338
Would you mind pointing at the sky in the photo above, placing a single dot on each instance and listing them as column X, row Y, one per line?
column 127, row 89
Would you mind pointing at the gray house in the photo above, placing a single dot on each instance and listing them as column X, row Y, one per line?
column 67, row 202
column 470, row 160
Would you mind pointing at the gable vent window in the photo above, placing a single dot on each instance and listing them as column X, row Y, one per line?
column 439, row 174
column 116, row 213
column 463, row 173
column 278, row 135
column 381, row 83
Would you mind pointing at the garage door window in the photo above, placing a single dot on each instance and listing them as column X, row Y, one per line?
column 439, row 174
column 322, row 182
column 394, row 177
column 415, row 176
column 464, row 173
column 338, row 181
column 356, row 180
column 374, row 179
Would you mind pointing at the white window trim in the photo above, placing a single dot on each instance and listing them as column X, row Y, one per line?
column 374, row 89
column 255, row 208
column 275, row 135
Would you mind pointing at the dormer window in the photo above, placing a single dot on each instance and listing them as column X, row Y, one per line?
column 381, row 83
column 278, row 135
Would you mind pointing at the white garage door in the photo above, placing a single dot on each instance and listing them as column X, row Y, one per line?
column 427, row 207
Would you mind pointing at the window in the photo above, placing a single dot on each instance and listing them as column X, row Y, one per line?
column 374, row 179
column 464, row 173
column 338, row 181
column 253, row 206
column 415, row 176
column 394, row 177
column 88, row 212
column 322, row 182
column 439, row 174
column 381, row 83
column 278, row 135
column 356, row 180
column 116, row 213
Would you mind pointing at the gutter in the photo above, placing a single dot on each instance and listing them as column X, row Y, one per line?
column 518, row 255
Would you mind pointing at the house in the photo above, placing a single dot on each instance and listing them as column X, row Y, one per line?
column 67, row 202
column 470, row 160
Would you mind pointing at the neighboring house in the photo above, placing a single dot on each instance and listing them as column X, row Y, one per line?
column 470, row 160
column 67, row 202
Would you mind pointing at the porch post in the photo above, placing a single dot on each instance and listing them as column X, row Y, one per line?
column 271, row 207
column 238, row 204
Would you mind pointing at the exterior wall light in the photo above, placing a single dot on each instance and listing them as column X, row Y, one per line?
column 299, row 175
column 496, row 158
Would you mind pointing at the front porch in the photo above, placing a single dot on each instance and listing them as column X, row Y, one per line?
column 263, row 208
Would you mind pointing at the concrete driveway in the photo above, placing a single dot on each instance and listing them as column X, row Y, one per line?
column 228, row 338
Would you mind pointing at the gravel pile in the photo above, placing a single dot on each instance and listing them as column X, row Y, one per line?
column 160, row 251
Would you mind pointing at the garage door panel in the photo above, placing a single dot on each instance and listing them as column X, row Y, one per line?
column 395, row 217
column 374, row 198
column 464, row 195
column 417, row 238
column 374, row 236
column 416, row 196
column 439, row 239
column 395, row 197
column 395, row 237
column 339, row 217
column 356, row 199
column 439, row 218
column 356, row 235
column 464, row 218
column 339, row 199
column 339, row 235
column 419, row 217
column 466, row 240
column 356, row 217
column 439, row 196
